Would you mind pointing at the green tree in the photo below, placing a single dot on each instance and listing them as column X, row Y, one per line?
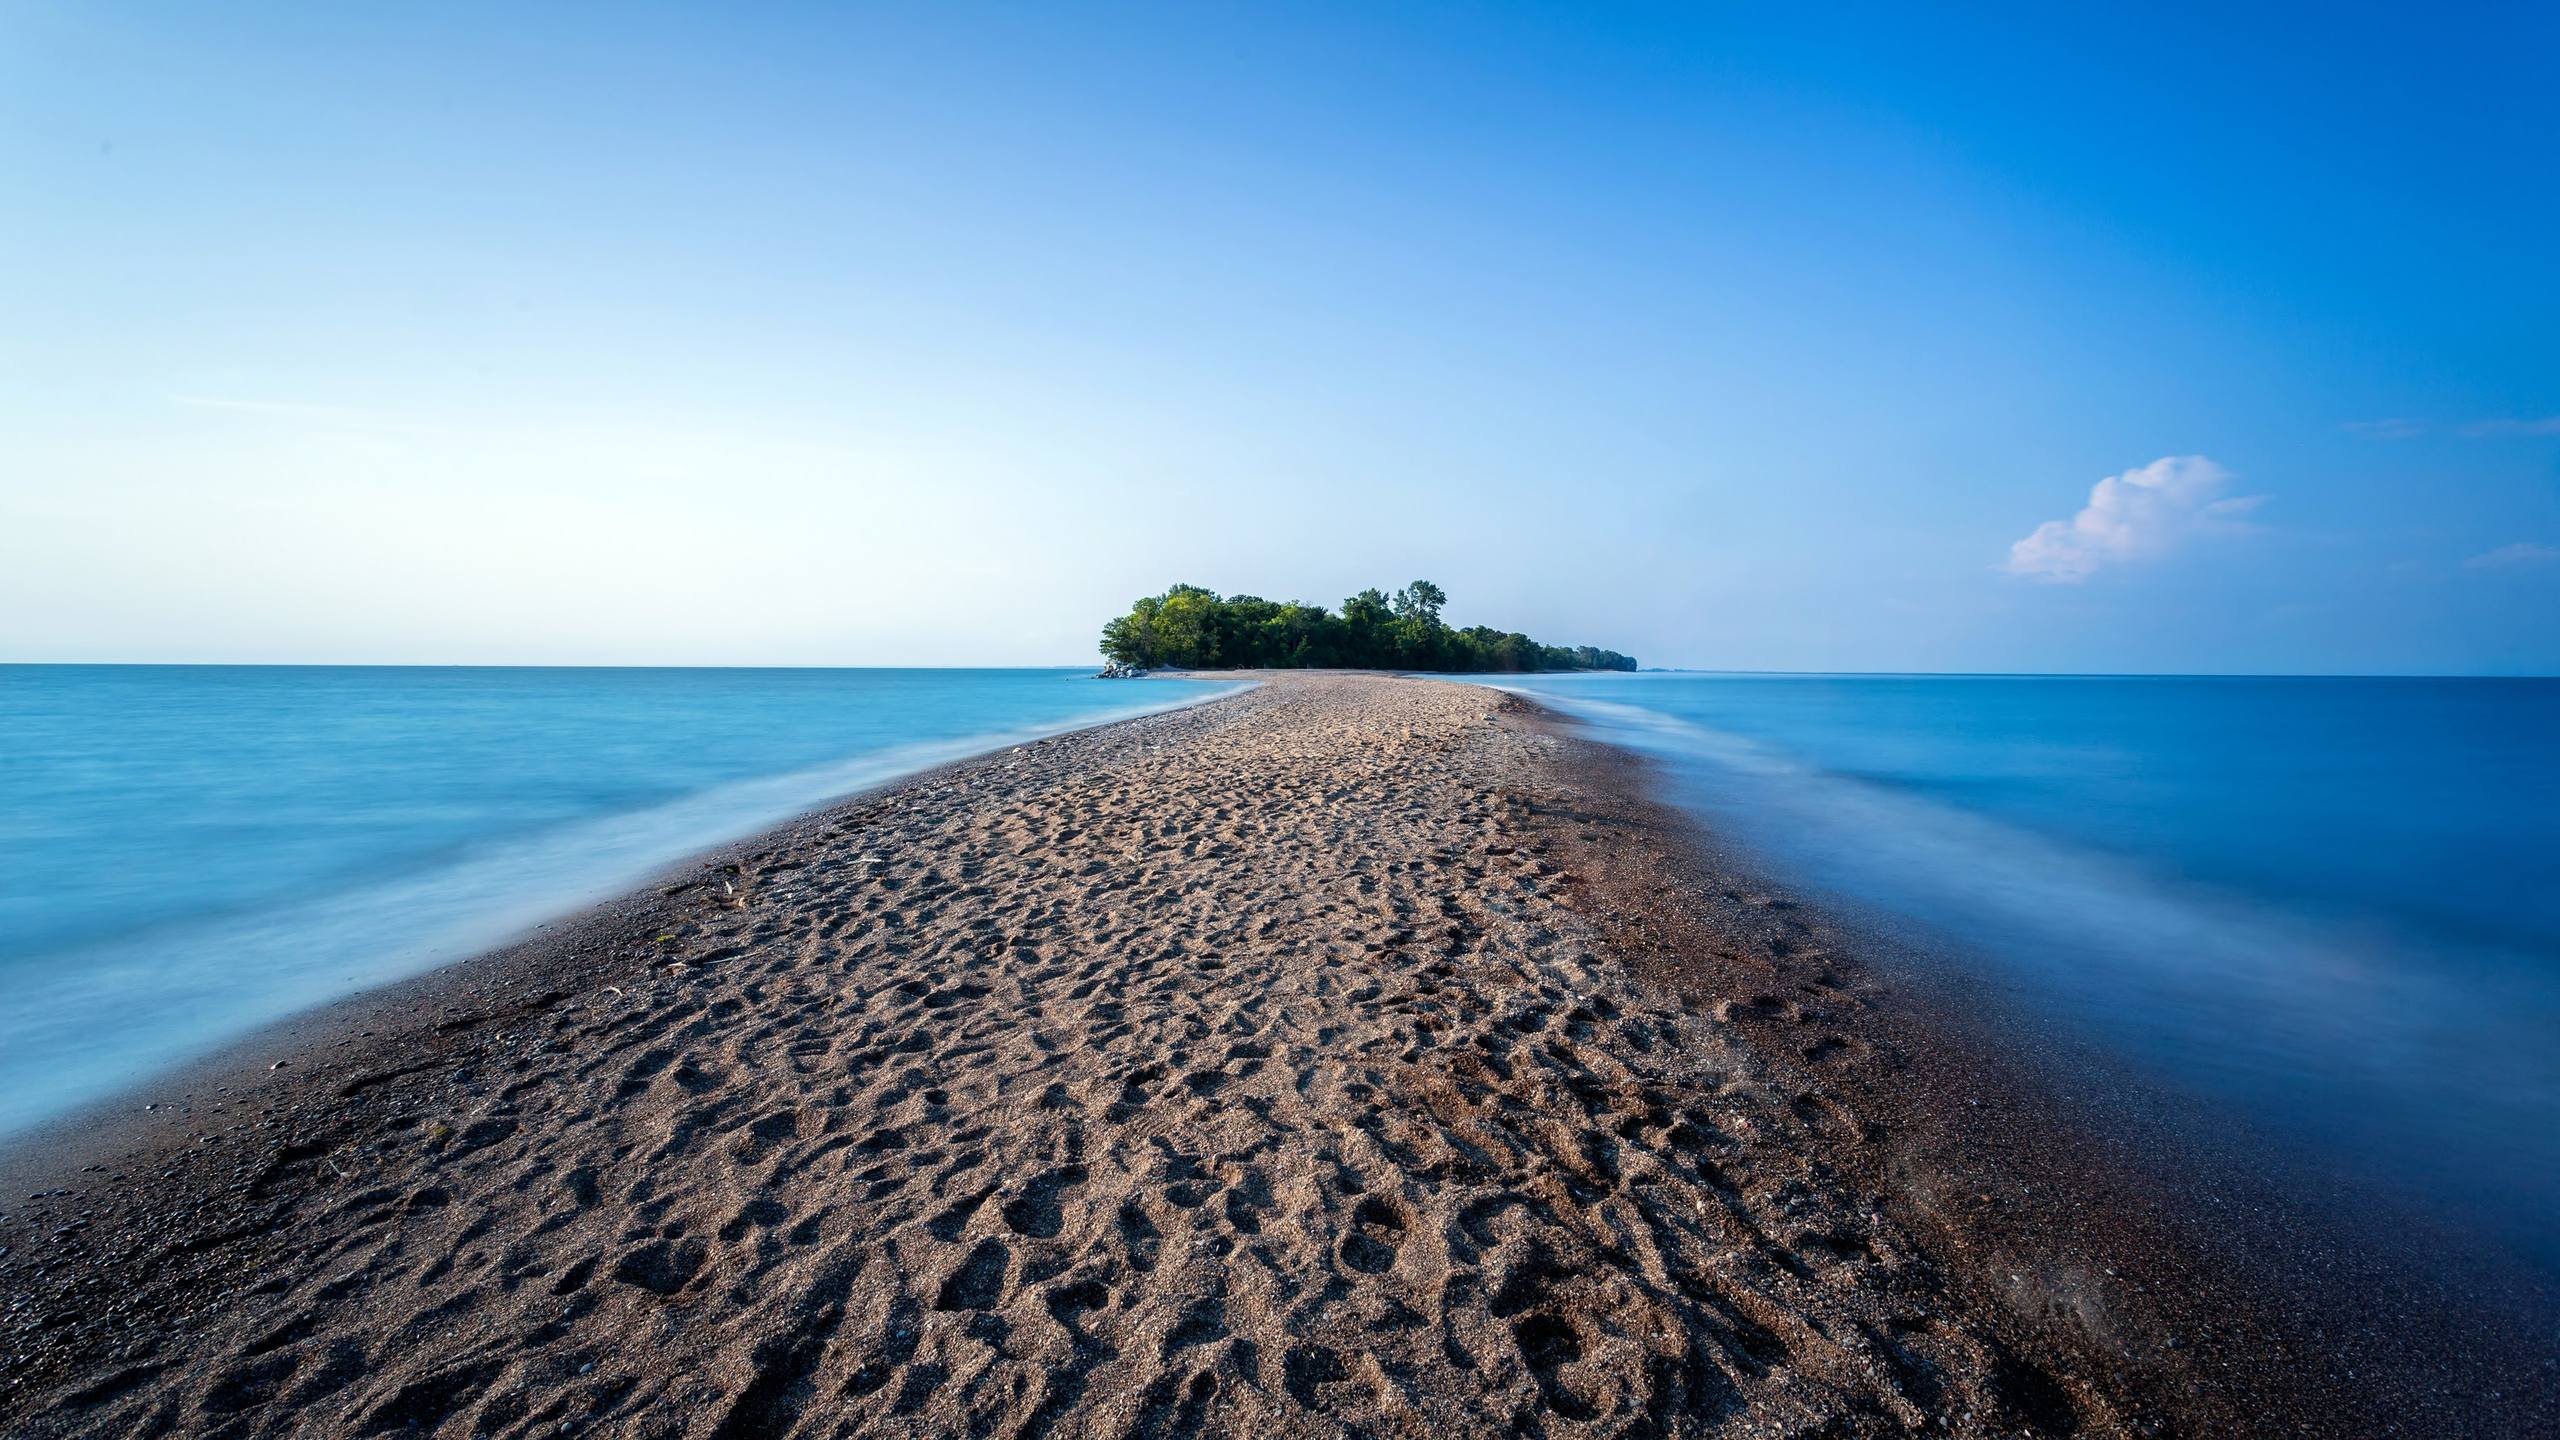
column 1418, row 631
column 1368, row 630
column 1193, row 627
column 1186, row 627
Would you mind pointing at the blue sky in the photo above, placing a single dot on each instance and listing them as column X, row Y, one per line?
column 2015, row 340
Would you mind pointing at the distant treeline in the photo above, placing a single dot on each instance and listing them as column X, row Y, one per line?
column 1189, row 628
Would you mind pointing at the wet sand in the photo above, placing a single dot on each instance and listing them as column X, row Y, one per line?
column 1354, row 1056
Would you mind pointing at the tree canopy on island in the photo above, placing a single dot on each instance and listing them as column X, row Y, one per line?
column 1189, row 628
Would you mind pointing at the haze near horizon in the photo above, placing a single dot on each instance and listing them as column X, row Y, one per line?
column 2018, row 341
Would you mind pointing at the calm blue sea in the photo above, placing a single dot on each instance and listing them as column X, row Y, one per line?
column 2333, row 904
column 188, row 852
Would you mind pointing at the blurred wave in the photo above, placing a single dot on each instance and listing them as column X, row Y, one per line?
column 203, row 851
column 2322, row 901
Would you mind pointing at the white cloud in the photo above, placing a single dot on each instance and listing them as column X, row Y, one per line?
column 2133, row 516
column 312, row 417
column 2400, row 428
column 2541, row 425
column 269, row 407
column 2523, row 552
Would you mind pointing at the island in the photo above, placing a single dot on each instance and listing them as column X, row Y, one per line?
column 1190, row 628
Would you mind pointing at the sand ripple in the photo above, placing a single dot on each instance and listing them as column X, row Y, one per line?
column 1238, row 1071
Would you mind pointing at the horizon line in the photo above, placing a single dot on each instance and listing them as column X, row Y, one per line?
column 1079, row 665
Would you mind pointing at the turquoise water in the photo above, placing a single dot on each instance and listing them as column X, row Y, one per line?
column 2332, row 905
column 192, row 851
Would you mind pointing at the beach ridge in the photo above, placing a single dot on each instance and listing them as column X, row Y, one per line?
column 1277, row 1065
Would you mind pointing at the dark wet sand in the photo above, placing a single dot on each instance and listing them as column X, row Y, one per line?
column 1350, row 1057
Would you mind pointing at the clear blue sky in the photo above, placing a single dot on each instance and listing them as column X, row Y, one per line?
column 840, row 334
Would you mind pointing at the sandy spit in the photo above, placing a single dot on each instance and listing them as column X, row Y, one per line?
column 1303, row 1063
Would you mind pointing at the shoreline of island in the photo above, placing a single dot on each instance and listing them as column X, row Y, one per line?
column 1742, row 1069
column 2141, row 1227
column 460, row 938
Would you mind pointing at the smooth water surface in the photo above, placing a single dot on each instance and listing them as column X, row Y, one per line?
column 187, row 852
column 2333, row 903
